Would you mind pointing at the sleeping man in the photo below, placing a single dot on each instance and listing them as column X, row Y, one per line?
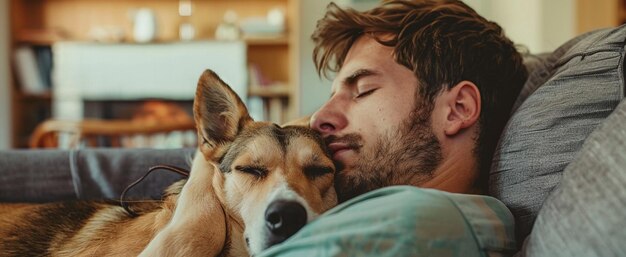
column 420, row 94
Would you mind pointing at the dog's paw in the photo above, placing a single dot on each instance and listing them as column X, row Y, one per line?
column 198, row 224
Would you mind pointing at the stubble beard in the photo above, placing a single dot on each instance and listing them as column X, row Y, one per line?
column 408, row 156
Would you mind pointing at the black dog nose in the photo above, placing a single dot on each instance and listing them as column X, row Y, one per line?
column 283, row 219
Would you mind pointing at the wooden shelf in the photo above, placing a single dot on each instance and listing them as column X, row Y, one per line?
column 44, row 22
column 39, row 36
column 622, row 12
column 35, row 97
column 279, row 90
column 46, row 40
column 592, row 15
column 260, row 41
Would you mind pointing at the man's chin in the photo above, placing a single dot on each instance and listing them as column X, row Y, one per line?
column 349, row 183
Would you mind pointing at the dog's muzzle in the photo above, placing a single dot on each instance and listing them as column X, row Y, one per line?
column 283, row 219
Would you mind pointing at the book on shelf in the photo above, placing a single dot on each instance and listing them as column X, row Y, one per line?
column 33, row 66
column 256, row 77
column 44, row 62
column 272, row 109
column 267, row 99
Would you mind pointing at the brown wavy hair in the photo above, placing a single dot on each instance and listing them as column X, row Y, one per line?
column 443, row 43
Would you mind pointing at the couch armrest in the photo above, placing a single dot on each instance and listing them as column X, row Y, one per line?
column 57, row 175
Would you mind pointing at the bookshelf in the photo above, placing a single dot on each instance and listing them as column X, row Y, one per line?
column 41, row 23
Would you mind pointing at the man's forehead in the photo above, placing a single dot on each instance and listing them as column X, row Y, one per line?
column 365, row 54
column 367, row 46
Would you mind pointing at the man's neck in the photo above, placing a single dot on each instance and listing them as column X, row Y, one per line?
column 457, row 173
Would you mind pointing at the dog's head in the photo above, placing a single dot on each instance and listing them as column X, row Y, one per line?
column 273, row 179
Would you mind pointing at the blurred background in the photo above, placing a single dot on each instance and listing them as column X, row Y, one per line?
column 70, row 69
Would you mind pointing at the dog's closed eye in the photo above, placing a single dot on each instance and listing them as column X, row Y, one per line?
column 315, row 171
column 257, row 171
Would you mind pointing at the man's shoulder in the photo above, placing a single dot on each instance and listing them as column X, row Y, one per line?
column 406, row 220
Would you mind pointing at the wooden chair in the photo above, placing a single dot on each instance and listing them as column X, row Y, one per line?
column 93, row 133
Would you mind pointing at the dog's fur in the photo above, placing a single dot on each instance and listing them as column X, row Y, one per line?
column 240, row 168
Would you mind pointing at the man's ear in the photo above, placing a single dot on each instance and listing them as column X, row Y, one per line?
column 463, row 102
column 218, row 112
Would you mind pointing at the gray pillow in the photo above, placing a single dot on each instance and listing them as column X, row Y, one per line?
column 585, row 215
column 575, row 90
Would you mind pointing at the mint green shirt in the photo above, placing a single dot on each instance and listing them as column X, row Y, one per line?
column 407, row 221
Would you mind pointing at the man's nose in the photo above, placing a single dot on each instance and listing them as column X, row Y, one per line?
column 329, row 119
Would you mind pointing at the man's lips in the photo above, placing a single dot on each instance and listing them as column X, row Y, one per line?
column 339, row 148
column 344, row 148
column 336, row 147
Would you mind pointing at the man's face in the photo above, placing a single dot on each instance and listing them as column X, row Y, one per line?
column 380, row 135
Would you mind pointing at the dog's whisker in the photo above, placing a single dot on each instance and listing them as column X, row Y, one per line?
column 143, row 201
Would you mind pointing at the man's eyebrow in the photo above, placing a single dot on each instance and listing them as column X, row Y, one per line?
column 356, row 75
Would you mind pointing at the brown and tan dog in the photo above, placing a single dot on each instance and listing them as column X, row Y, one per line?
column 252, row 185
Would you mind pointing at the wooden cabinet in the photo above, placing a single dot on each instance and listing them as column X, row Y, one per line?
column 44, row 22
column 593, row 14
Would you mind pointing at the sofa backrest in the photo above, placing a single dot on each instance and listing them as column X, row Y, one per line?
column 565, row 98
column 585, row 214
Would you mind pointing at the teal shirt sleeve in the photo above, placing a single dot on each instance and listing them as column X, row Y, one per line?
column 407, row 221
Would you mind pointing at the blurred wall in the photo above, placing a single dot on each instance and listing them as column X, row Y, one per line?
column 314, row 90
column 540, row 25
column 5, row 90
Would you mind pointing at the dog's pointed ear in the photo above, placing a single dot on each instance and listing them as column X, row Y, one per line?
column 219, row 113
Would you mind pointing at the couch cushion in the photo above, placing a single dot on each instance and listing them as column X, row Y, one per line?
column 578, row 86
column 584, row 216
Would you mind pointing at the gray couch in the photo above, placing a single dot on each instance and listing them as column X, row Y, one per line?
column 560, row 165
